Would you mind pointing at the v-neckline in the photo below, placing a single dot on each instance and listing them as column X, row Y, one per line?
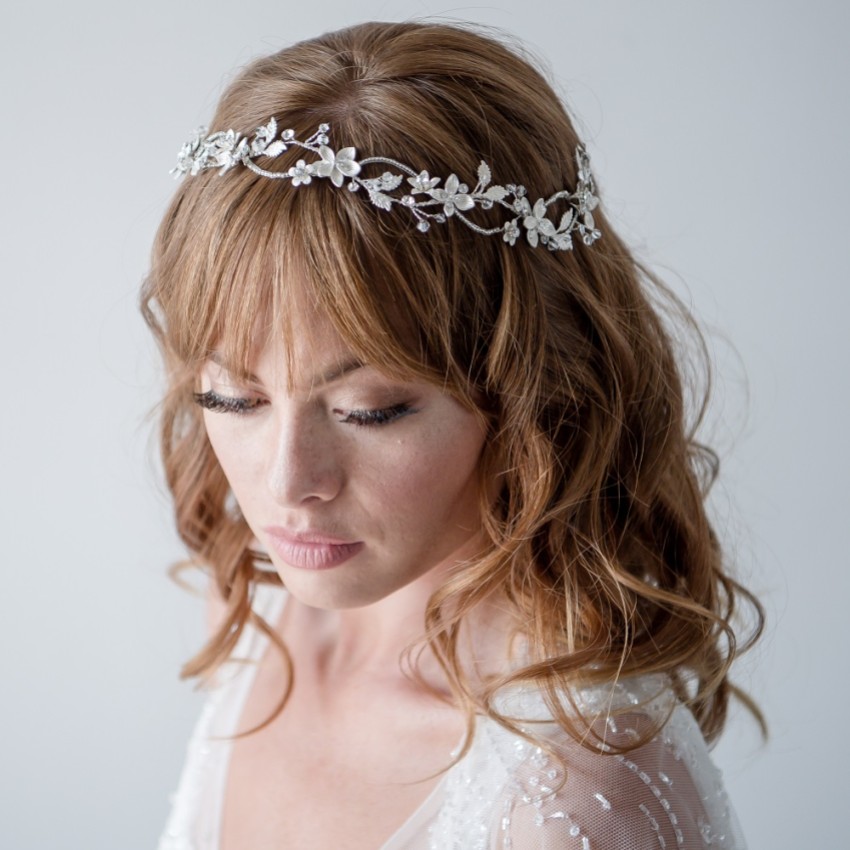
column 270, row 604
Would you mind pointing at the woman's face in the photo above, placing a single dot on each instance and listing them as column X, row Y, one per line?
column 354, row 483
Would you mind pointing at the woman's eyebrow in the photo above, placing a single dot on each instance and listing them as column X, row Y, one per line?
column 218, row 358
column 335, row 373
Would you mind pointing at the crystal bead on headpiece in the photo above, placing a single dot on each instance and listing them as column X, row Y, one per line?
column 416, row 191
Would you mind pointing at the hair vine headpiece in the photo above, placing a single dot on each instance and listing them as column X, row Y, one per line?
column 423, row 196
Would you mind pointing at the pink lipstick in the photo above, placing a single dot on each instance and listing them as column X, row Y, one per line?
column 309, row 550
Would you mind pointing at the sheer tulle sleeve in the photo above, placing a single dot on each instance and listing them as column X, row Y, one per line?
column 665, row 794
column 507, row 793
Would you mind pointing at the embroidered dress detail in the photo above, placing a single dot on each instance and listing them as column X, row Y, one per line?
column 507, row 793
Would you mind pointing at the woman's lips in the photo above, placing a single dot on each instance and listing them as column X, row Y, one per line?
column 309, row 550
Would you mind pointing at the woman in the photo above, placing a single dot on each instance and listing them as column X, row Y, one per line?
column 426, row 433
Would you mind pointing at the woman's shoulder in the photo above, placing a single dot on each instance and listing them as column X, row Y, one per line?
column 663, row 793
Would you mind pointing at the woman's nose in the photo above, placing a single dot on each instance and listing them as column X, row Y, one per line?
column 304, row 463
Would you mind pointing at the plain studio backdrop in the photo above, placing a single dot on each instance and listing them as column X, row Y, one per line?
column 719, row 134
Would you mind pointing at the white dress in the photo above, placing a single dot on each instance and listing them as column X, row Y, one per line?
column 504, row 794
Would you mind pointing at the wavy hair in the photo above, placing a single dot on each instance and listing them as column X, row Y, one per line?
column 598, row 539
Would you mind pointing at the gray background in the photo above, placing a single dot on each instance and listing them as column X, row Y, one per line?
column 719, row 132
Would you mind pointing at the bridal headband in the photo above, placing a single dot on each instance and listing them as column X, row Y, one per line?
column 415, row 190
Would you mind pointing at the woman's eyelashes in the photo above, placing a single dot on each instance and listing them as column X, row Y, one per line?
column 381, row 416
column 211, row 400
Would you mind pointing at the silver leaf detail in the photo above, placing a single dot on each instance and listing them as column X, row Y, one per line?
column 381, row 200
column 389, row 182
column 484, row 175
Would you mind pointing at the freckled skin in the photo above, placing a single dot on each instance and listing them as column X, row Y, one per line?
column 406, row 488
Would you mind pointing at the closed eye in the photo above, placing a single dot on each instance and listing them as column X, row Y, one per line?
column 211, row 400
column 382, row 416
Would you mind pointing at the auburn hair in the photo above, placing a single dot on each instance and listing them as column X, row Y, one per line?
column 598, row 539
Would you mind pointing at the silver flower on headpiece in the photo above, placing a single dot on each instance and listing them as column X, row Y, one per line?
column 422, row 182
column 222, row 149
column 511, row 232
column 454, row 196
column 536, row 223
column 301, row 173
column 187, row 159
column 337, row 165
column 225, row 149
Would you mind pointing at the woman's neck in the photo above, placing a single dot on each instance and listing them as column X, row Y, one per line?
column 370, row 644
